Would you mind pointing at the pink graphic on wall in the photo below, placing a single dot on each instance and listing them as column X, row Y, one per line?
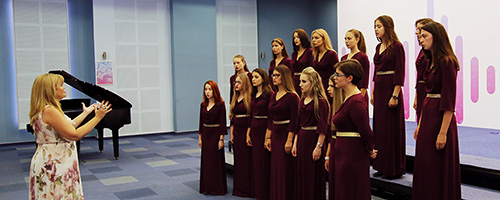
column 490, row 79
column 406, row 88
column 459, row 107
column 474, row 80
column 104, row 72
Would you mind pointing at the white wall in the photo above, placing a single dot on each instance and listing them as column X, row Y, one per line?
column 135, row 34
column 236, row 34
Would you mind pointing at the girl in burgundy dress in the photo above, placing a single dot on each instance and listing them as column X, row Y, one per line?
column 212, row 129
column 354, row 144
column 301, row 56
column 239, row 115
column 310, row 181
column 282, row 113
column 421, row 66
column 436, row 174
column 324, row 57
column 355, row 41
column 256, row 134
column 240, row 66
column 280, row 57
column 387, row 101
column 329, row 164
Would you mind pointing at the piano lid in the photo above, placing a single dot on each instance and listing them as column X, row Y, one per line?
column 94, row 91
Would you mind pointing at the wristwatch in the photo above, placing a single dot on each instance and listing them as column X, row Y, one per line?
column 395, row 97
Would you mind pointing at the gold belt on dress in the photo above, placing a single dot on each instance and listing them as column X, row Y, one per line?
column 334, row 136
column 240, row 116
column 385, row 72
column 421, row 81
column 309, row 128
column 211, row 125
column 259, row 117
column 297, row 73
column 436, row 96
column 281, row 122
column 348, row 134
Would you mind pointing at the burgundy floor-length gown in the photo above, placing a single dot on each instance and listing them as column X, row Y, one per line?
column 285, row 61
column 436, row 173
column 282, row 115
column 261, row 156
column 331, row 165
column 352, row 153
column 363, row 59
column 325, row 66
column 242, row 174
column 310, row 176
column 389, row 123
column 421, row 65
column 231, row 83
column 213, row 165
column 299, row 64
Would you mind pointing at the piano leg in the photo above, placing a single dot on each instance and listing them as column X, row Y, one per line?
column 115, row 142
column 100, row 138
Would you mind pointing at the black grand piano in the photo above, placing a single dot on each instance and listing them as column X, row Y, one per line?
column 114, row 120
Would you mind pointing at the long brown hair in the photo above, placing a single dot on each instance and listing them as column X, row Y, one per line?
column 43, row 93
column 246, row 91
column 317, row 90
column 304, row 39
column 390, row 35
column 361, row 43
column 338, row 98
column 215, row 93
column 326, row 42
column 286, row 78
column 280, row 41
column 242, row 58
column 441, row 46
column 266, row 88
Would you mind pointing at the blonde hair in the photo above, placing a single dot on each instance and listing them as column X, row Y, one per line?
column 246, row 90
column 43, row 93
column 326, row 42
column 317, row 90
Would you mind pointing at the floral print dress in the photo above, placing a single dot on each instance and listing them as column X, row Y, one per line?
column 54, row 171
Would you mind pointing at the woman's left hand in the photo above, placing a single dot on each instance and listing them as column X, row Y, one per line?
column 221, row 144
column 316, row 153
column 288, row 146
column 440, row 141
column 393, row 103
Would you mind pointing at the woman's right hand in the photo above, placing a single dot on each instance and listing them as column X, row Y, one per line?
column 199, row 143
column 103, row 109
column 372, row 100
column 294, row 150
column 249, row 141
column 267, row 144
column 327, row 165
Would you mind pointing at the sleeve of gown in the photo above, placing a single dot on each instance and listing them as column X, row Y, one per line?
column 231, row 83
column 366, row 71
column 200, row 125
column 269, row 113
column 448, row 86
column 322, row 126
column 293, row 103
column 398, row 54
column 359, row 116
column 334, row 59
column 222, row 115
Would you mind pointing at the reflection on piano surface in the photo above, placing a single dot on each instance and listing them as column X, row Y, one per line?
column 114, row 120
